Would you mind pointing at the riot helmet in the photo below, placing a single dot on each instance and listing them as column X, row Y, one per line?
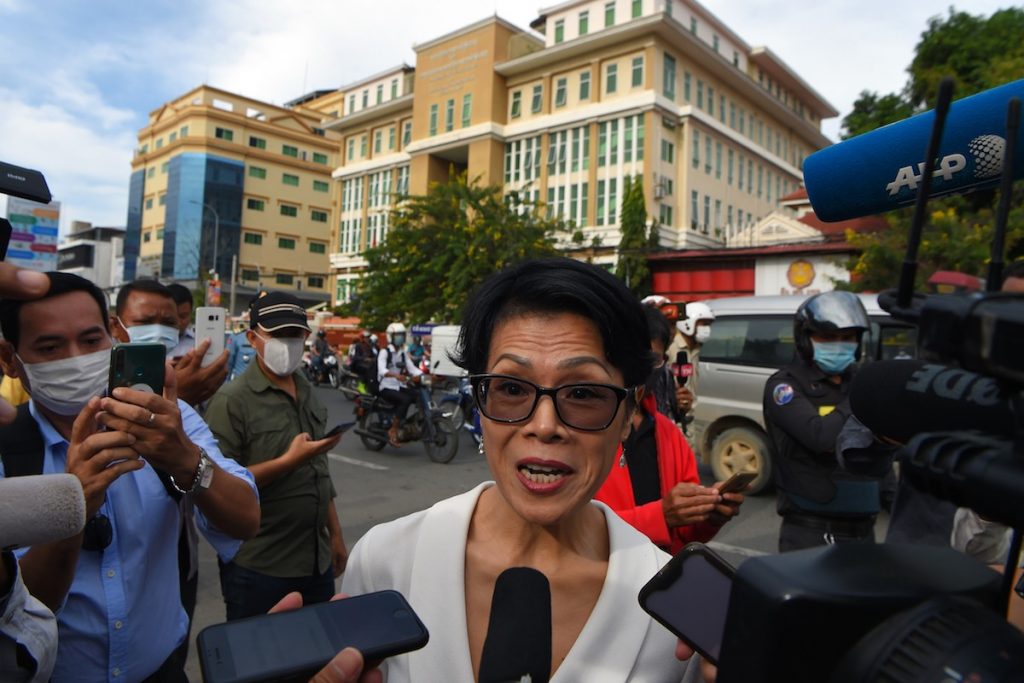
column 828, row 312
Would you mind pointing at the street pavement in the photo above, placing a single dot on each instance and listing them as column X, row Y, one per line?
column 378, row 487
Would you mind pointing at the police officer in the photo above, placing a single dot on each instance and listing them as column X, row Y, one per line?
column 805, row 406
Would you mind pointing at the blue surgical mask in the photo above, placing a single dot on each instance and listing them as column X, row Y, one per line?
column 152, row 334
column 834, row 357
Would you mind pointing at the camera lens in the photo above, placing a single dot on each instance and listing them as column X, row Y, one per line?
column 139, row 372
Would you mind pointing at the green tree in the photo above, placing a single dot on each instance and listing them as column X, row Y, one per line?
column 634, row 245
column 872, row 110
column 443, row 244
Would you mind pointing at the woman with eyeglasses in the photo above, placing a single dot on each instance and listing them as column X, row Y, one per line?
column 558, row 352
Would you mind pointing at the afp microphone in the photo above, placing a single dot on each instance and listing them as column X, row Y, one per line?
column 518, row 642
column 902, row 398
column 39, row 509
column 880, row 171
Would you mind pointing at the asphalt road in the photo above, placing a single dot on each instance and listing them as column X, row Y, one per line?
column 378, row 487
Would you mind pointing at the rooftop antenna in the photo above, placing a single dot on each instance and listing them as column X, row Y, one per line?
column 995, row 266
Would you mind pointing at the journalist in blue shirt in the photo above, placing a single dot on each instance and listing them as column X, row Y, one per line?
column 114, row 588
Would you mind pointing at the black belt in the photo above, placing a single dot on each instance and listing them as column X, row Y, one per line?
column 832, row 525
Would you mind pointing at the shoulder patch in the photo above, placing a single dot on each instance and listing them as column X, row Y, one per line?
column 782, row 394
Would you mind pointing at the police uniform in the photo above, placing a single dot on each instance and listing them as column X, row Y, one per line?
column 819, row 502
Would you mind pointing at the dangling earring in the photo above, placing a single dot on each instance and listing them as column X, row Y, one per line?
column 480, row 448
column 622, row 458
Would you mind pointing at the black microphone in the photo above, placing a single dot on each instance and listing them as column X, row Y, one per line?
column 682, row 368
column 518, row 642
column 902, row 398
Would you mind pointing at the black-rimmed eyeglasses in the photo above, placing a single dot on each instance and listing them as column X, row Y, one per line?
column 586, row 406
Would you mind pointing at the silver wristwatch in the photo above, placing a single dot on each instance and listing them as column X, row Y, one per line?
column 202, row 478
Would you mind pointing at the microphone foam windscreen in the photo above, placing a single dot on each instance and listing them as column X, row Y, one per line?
column 40, row 509
column 518, row 639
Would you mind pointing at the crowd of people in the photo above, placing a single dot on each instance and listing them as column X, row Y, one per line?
column 592, row 481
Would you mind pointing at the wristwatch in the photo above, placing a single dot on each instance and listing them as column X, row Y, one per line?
column 202, row 478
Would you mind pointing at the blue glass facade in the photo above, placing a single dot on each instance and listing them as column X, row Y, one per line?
column 133, row 224
column 197, row 183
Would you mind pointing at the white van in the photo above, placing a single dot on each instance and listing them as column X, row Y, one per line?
column 751, row 338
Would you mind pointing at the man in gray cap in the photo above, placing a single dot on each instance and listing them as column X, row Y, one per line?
column 270, row 421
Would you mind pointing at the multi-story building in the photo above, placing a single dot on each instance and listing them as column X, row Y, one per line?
column 225, row 183
column 604, row 91
column 95, row 253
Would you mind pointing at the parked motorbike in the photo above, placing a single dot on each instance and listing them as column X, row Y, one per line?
column 423, row 423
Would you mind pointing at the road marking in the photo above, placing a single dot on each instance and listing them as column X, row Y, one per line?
column 736, row 549
column 353, row 461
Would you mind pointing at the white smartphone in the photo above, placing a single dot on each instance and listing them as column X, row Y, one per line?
column 210, row 324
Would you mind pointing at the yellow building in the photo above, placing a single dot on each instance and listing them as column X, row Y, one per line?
column 224, row 182
column 605, row 89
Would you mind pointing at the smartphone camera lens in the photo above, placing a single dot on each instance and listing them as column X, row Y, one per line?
column 139, row 372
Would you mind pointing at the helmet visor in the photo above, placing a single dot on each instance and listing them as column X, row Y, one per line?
column 836, row 311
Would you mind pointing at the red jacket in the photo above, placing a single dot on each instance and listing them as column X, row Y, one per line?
column 676, row 463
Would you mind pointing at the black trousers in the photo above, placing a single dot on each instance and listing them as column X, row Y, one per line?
column 800, row 531
column 401, row 400
column 248, row 593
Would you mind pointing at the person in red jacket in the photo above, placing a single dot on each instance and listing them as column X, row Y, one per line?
column 654, row 484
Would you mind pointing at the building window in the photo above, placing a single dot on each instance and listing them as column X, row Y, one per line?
column 729, row 168
column 250, row 274
column 318, row 216
column 160, row 141
column 700, row 94
column 366, row 99
column 162, row 200
column 600, row 202
column 637, row 8
column 290, row 151
column 254, row 204
column 289, row 179
column 668, row 152
column 257, row 172
column 380, row 93
column 561, row 85
column 351, row 148
column 694, row 208
column 147, row 236
column 686, row 85
column 317, row 247
column 258, row 143
column 711, row 100
column 391, row 139
column 151, row 172
column 394, row 88
column 467, row 109
column 289, row 210
column 609, row 13
column 321, row 186
column 665, row 214
column 638, row 72
column 149, row 203
column 172, row 137
column 351, row 103
column 536, row 103
column 707, row 154
column 611, row 78
column 584, row 23
column 283, row 278
column 315, row 282
column 406, row 133
column 364, row 140
column 693, row 25
column 585, row 85
column 718, row 160
column 707, row 213
column 668, row 76
column 714, row 43
column 253, row 238
column 285, row 243
column 184, row 131
column 319, row 158
column 559, row 30
column 517, row 104
column 378, row 136
column 164, row 166
column 433, row 120
column 735, row 58
column 696, row 149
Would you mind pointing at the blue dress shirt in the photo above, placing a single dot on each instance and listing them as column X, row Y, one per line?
column 122, row 616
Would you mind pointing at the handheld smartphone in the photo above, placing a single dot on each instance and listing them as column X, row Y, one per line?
column 737, row 482
column 210, row 324
column 295, row 645
column 339, row 429
column 690, row 597
column 137, row 366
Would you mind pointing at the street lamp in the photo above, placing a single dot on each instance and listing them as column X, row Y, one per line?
column 216, row 230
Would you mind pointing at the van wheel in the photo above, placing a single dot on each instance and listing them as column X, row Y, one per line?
column 742, row 449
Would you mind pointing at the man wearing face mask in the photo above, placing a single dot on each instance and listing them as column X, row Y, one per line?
column 114, row 587
column 270, row 421
column 691, row 333
column 806, row 404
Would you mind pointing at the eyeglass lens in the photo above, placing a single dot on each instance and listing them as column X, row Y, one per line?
column 583, row 406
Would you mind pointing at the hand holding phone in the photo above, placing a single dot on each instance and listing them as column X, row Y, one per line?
column 137, row 366
column 737, row 483
column 339, row 429
column 211, row 324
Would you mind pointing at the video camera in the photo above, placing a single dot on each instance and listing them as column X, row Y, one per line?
column 889, row 612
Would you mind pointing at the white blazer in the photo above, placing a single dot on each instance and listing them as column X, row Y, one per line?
column 423, row 557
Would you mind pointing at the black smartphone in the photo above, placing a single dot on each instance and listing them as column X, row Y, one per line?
column 690, row 597
column 339, row 429
column 137, row 366
column 737, row 482
column 295, row 645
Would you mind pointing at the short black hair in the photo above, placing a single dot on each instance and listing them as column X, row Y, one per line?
column 1014, row 269
column 60, row 283
column 558, row 285
column 181, row 294
column 658, row 326
column 148, row 286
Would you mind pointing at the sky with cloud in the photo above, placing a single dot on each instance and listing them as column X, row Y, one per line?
column 78, row 79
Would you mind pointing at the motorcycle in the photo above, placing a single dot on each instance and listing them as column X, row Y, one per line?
column 350, row 382
column 423, row 423
column 458, row 405
column 327, row 373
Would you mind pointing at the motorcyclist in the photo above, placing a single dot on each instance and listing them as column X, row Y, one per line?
column 364, row 356
column 319, row 351
column 416, row 350
column 692, row 331
column 394, row 369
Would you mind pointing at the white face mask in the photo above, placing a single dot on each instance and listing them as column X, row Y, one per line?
column 152, row 334
column 282, row 356
column 702, row 334
column 66, row 385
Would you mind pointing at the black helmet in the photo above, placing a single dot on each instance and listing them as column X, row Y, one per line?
column 827, row 312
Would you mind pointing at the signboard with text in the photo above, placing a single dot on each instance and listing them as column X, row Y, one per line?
column 34, row 236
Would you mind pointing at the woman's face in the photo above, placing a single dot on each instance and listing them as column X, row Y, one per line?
column 543, row 468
